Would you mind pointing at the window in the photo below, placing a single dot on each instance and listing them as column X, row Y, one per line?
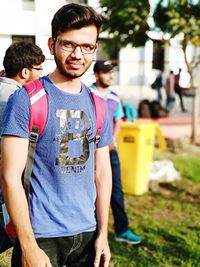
column 77, row 1
column 26, row 38
column 158, row 55
column 28, row 5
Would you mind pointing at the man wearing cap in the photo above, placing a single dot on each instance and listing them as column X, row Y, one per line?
column 103, row 71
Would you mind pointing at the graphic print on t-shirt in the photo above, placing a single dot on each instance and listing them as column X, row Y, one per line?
column 73, row 140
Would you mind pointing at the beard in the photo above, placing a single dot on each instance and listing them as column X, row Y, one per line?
column 103, row 84
column 70, row 73
column 66, row 73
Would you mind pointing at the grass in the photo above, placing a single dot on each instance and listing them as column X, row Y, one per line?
column 5, row 258
column 167, row 219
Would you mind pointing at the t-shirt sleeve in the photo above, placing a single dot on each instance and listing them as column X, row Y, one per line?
column 106, row 133
column 119, row 113
column 16, row 115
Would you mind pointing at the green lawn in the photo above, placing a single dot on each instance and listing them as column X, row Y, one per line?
column 169, row 221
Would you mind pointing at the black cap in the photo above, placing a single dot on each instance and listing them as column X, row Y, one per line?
column 104, row 66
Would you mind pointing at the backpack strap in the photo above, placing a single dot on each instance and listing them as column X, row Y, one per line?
column 38, row 118
column 38, row 99
column 100, row 112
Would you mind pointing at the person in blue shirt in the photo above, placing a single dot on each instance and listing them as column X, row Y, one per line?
column 29, row 58
column 22, row 63
column 66, row 223
column 103, row 71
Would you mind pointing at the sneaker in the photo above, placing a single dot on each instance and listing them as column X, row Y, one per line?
column 128, row 237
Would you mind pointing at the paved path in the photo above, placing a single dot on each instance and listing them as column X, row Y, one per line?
column 178, row 125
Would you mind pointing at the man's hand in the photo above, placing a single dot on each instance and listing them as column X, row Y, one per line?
column 112, row 147
column 103, row 254
column 35, row 258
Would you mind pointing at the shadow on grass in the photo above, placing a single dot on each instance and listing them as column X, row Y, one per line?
column 176, row 245
column 175, row 192
column 125, row 255
column 161, row 247
column 171, row 187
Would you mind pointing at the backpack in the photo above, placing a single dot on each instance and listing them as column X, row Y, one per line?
column 38, row 119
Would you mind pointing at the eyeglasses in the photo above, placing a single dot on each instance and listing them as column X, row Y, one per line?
column 39, row 69
column 70, row 46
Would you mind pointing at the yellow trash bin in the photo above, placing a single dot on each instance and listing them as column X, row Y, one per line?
column 135, row 147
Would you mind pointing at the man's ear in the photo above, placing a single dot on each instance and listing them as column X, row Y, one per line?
column 25, row 73
column 51, row 45
column 97, row 46
column 96, row 75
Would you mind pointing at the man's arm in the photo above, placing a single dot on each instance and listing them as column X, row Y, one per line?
column 116, row 131
column 103, row 179
column 118, row 115
column 117, row 126
column 14, row 156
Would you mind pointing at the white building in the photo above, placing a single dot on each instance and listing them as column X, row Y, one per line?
column 31, row 19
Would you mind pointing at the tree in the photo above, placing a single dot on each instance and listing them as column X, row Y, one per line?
column 182, row 17
column 126, row 23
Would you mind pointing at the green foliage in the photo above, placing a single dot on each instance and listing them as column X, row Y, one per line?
column 125, row 21
column 112, row 47
column 179, row 16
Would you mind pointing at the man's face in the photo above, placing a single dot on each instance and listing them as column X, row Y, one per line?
column 82, row 43
column 105, row 79
column 34, row 73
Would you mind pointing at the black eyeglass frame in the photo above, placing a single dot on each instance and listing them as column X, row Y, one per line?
column 75, row 45
column 35, row 68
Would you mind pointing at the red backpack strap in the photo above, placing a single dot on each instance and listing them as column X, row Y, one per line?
column 10, row 230
column 39, row 105
column 38, row 118
column 37, row 122
column 100, row 110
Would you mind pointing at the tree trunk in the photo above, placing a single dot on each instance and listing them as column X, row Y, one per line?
column 195, row 115
column 195, row 101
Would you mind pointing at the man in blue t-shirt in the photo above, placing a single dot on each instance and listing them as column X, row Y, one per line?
column 70, row 185
column 103, row 71
column 29, row 58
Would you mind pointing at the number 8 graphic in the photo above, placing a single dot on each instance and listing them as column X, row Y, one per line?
column 73, row 132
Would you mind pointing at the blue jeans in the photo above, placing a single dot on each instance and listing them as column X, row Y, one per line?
column 72, row 251
column 170, row 102
column 117, row 198
column 159, row 94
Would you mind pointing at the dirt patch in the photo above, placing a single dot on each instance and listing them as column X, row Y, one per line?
column 183, row 146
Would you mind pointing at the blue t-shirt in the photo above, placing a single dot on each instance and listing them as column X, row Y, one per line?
column 112, row 96
column 63, row 193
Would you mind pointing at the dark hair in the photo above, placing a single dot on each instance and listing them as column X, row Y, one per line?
column 21, row 55
column 144, row 109
column 74, row 16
